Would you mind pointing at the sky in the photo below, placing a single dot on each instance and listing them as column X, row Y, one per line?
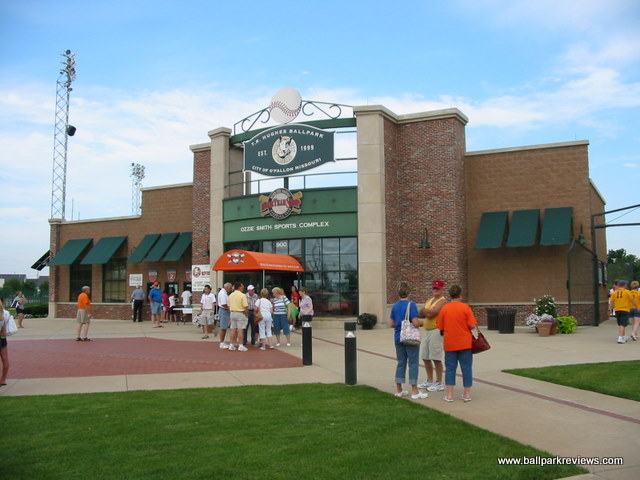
column 154, row 77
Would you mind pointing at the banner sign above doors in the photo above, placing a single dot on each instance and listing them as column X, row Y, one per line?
column 288, row 150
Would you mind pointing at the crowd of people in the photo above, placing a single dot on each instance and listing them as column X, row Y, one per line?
column 624, row 304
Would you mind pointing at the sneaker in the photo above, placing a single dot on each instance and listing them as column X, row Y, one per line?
column 447, row 399
column 621, row 340
column 277, row 344
column 436, row 387
column 242, row 348
column 206, row 336
column 465, row 399
column 420, row 396
column 232, row 348
column 288, row 344
column 224, row 345
column 262, row 348
column 634, row 338
column 403, row 393
column 425, row 385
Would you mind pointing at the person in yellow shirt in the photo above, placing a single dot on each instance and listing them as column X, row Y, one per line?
column 83, row 317
column 239, row 308
column 431, row 347
column 622, row 302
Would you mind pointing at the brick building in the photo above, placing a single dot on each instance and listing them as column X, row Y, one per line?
column 504, row 224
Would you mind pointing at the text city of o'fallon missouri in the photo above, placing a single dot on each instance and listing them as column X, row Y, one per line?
column 279, row 226
column 280, row 171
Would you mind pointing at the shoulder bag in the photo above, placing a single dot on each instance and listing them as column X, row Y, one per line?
column 409, row 334
column 479, row 343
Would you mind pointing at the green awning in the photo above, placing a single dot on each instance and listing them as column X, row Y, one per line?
column 493, row 227
column 103, row 250
column 524, row 228
column 161, row 247
column 180, row 246
column 70, row 252
column 557, row 226
column 143, row 247
column 43, row 261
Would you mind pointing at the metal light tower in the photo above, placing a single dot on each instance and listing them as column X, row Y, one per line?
column 137, row 174
column 61, row 134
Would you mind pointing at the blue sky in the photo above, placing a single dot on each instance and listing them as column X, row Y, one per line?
column 154, row 77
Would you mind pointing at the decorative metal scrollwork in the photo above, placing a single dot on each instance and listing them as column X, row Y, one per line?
column 309, row 108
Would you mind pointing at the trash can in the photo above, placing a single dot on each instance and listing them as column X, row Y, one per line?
column 492, row 318
column 506, row 320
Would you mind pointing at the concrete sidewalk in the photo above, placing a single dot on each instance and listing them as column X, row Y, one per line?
column 563, row 421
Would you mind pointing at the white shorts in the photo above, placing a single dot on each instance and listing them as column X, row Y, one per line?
column 431, row 347
column 239, row 320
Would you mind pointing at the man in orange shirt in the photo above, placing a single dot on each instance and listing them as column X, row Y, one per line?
column 83, row 317
column 455, row 321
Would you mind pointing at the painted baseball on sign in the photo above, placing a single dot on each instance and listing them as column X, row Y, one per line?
column 285, row 105
column 284, row 150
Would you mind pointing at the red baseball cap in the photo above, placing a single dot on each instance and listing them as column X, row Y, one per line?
column 437, row 284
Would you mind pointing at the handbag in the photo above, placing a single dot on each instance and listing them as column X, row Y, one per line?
column 479, row 343
column 11, row 325
column 257, row 316
column 409, row 334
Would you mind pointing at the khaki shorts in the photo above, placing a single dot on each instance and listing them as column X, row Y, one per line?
column 431, row 347
column 82, row 316
column 239, row 320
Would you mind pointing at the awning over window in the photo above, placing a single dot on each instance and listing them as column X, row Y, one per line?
column 70, row 252
column 180, row 246
column 523, row 231
column 161, row 246
column 557, row 227
column 43, row 261
column 493, row 226
column 102, row 251
column 143, row 247
column 245, row 261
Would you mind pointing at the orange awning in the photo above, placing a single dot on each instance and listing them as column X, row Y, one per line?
column 245, row 261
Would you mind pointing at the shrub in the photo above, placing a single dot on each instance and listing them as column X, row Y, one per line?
column 37, row 310
column 567, row 324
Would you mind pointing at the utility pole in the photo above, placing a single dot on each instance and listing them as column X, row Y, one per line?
column 62, row 132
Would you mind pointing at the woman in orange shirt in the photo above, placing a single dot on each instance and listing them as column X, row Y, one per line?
column 456, row 320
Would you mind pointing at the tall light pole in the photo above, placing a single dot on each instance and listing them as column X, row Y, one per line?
column 62, row 132
column 137, row 174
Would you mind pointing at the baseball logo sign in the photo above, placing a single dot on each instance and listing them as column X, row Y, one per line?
column 235, row 257
column 284, row 150
column 285, row 105
column 280, row 204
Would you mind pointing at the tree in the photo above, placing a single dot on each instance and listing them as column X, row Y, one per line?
column 622, row 266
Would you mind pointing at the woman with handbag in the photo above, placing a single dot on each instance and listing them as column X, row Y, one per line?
column 4, row 351
column 406, row 324
column 456, row 320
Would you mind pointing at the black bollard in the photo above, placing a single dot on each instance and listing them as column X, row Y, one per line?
column 350, row 353
column 307, row 351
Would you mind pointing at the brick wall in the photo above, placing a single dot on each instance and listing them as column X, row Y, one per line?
column 201, row 210
column 424, row 173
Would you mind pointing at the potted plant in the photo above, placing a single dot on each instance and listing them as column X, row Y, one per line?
column 547, row 325
column 367, row 320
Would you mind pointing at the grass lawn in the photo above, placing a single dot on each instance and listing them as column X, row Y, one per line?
column 619, row 379
column 265, row 432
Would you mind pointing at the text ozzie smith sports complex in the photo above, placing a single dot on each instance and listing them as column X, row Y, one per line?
column 542, row 461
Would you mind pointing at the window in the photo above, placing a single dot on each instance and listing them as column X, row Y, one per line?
column 80, row 276
column 114, row 283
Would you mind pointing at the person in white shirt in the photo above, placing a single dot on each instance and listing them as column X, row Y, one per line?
column 186, row 298
column 208, row 302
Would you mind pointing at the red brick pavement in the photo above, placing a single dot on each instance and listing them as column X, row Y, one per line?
column 131, row 356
